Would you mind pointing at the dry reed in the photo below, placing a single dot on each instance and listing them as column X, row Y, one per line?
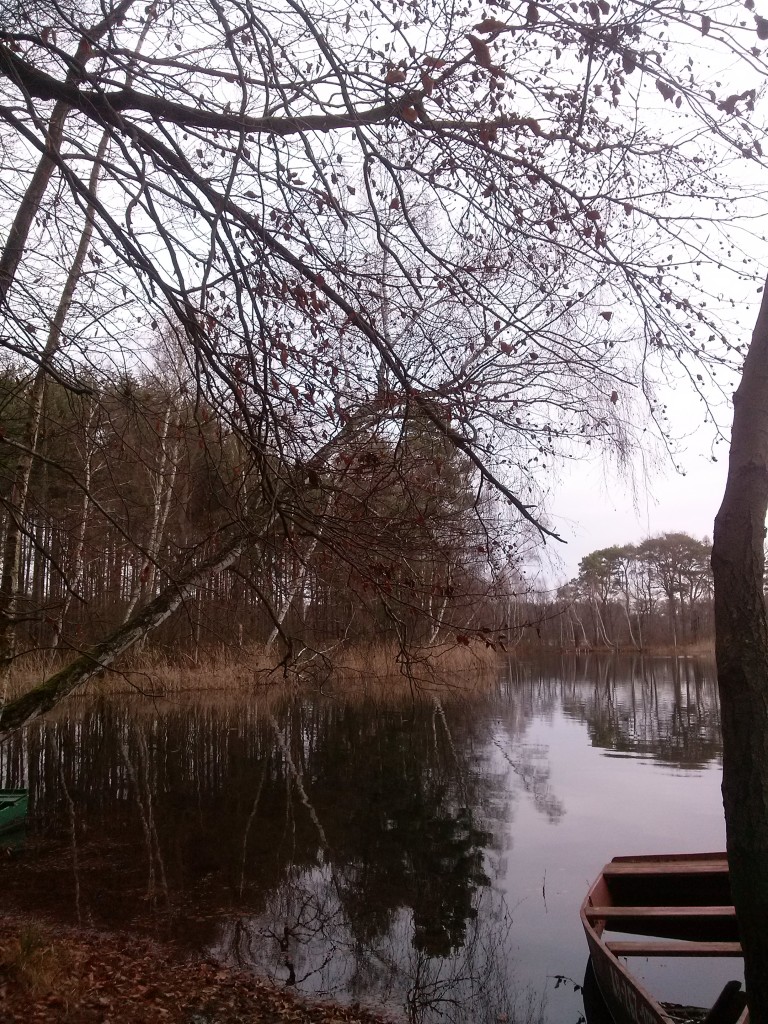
column 155, row 673
column 33, row 962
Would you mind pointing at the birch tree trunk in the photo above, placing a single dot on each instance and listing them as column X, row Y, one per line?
column 600, row 628
column 629, row 626
column 17, row 505
column 9, row 263
column 16, row 243
column 624, row 585
column 291, row 592
column 76, row 565
column 437, row 617
column 161, row 484
column 585, row 640
column 23, row 710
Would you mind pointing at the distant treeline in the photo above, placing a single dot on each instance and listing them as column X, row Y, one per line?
column 654, row 594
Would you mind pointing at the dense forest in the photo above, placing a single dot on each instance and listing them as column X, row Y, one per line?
column 126, row 491
column 386, row 537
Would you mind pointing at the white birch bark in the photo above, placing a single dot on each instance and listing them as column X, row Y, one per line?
column 76, row 568
column 9, row 582
column 162, row 483
column 25, row 709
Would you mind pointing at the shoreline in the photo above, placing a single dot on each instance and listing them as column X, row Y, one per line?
column 66, row 974
column 157, row 673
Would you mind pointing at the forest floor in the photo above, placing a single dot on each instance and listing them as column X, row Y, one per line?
column 65, row 975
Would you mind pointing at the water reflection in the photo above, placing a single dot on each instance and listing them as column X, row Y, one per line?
column 664, row 708
column 358, row 848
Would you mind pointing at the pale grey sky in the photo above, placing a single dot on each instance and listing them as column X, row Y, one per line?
column 591, row 508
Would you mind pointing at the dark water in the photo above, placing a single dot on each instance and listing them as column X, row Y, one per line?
column 427, row 855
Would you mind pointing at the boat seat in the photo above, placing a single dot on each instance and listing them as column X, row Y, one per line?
column 615, row 914
column 714, row 866
column 691, row 923
column 661, row 948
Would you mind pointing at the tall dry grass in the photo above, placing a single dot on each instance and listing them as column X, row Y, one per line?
column 362, row 667
column 29, row 959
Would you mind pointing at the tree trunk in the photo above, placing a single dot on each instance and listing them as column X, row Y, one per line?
column 673, row 619
column 290, row 592
column 436, row 617
column 161, row 484
column 585, row 641
column 10, row 259
column 602, row 633
column 742, row 662
column 629, row 625
column 21, row 476
column 74, row 585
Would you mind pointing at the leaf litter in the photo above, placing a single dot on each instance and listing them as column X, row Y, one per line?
column 68, row 975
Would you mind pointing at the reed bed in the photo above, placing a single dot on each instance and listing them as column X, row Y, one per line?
column 360, row 667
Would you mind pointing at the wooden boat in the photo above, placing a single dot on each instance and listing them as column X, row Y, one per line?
column 13, row 809
column 671, row 906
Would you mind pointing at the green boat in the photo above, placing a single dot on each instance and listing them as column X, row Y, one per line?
column 13, row 809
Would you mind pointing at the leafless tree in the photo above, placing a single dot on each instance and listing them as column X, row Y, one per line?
column 566, row 152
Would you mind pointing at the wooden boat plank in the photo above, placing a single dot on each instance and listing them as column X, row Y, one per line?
column 661, row 913
column 671, row 857
column 655, row 868
column 660, row 948
column 685, row 923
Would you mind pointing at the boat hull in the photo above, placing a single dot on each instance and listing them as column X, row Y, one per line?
column 13, row 810
column 626, row 1000
column 633, row 896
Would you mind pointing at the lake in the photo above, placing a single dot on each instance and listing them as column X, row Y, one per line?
column 423, row 853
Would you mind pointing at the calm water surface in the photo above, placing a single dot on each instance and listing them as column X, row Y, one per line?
column 426, row 855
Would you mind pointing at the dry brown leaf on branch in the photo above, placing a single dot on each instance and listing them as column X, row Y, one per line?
column 395, row 77
column 481, row 52
column 491, row 25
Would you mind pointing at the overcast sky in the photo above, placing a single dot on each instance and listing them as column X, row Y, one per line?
column 591, row 506
column 593, row 509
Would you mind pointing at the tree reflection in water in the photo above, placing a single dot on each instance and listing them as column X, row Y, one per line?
column 354, row 848
column 665, row 708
